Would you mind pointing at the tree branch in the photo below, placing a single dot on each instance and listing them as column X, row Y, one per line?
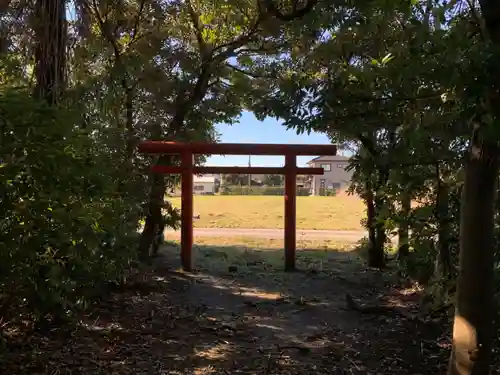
column 273, row 10
column 239, row 42
column 103, row 25
column 247, row 73
column 210, row 58
column 198, row 30
column 186, row 103
column 369, row 144
column 137, row 20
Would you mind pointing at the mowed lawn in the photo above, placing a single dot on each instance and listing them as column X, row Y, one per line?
column 341, row 212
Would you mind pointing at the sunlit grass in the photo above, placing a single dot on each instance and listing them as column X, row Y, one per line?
column 341, row 212
column 248, row 253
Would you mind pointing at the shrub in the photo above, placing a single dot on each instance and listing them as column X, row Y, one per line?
column 327, row 192
column 65, row 230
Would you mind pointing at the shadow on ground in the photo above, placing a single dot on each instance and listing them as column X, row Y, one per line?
column 239, row 313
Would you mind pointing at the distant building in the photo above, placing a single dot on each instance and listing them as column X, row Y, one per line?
column 304, row 182
column 335, row 177
column 205, row 185
column 258, row 179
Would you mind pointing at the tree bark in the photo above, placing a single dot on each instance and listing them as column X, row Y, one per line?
column 370, row 216
column 376, row 256
column 50, row 52
column 154, row 216
column 381, row 236
column 129, row 121
column 473, row 324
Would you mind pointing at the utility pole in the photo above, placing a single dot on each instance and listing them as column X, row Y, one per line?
column 249, row 175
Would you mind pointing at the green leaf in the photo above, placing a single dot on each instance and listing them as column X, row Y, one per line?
column 387, row 58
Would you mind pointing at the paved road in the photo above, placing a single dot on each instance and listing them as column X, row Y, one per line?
column 309, row 234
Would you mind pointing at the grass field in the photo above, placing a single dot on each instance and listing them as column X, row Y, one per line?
column 341, row 212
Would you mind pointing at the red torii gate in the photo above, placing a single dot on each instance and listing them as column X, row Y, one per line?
column 187, row 169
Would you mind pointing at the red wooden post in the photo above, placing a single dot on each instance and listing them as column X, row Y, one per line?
column 187, row 210
column 290, row 210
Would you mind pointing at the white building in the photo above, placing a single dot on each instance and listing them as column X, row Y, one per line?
column 204, row 184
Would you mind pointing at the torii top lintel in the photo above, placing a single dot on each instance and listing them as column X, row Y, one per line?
column 200, row 148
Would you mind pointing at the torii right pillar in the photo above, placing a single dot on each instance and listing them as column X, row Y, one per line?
column 290, row 211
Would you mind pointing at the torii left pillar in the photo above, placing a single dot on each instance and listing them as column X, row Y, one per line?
column 187, row 210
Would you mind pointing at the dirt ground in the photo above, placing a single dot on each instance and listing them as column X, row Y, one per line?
column 241, row 314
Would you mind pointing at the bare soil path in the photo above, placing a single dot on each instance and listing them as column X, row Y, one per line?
column 240, row 315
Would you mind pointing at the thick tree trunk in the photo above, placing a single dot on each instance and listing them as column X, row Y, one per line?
column 473, row 325
column 403, row 229
column 50, row 53
column 444, row 231
column 370, row 216
column 154, row 217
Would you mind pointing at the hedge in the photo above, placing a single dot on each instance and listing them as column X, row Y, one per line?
column 259, row 190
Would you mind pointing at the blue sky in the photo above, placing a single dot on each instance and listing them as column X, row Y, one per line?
column 251, row 130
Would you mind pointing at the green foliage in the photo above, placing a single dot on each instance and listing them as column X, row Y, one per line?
column 273, row 180
column 327, row 192
column 259, row 190
column 63, row 193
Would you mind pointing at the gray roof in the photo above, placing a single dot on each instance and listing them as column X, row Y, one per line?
column 329, row 158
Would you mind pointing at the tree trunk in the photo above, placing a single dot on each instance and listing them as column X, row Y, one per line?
column 375, row 252
column 473, row 324
column 130, row 141
column 159, row 187
column 403, row 229
column 444, row 231
column 380, row 234
column 50, row 53
column 154, row 216
column 129, row 121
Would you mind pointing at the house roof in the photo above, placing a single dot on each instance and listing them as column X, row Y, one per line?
column 202, row 179
column 329, row 158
